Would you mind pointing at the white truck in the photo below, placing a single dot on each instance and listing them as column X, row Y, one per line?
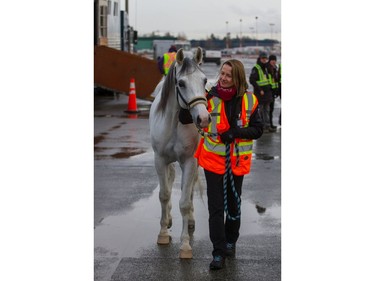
column 162, row 46
column 212, row 56
column 186, row 46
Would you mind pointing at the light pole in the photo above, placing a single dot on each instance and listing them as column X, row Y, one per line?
column 251, row 32
column 256, row 30
column 271, row 25
column 227, row 36
column 241, row 34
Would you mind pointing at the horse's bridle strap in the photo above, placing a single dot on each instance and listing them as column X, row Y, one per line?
column 196, row 101
column 193, row 102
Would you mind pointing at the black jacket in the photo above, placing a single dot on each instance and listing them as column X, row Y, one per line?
column 254, row 77
column 274, row 72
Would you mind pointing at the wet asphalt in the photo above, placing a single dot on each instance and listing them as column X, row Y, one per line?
column 127, row 209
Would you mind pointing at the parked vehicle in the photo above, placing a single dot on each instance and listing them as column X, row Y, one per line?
column 212, row 56
column 162, row 46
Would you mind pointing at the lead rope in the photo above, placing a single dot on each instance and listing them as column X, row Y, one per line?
column 228, row 172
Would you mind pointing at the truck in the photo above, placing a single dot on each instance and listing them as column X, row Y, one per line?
column 160, row 47
column 212, row 56
column 186, row 46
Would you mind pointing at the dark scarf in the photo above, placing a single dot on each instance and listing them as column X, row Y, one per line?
column 226, row 94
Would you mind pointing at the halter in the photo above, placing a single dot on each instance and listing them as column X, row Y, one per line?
column 193, row 102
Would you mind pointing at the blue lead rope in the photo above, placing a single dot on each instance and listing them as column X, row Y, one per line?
column 228, row 171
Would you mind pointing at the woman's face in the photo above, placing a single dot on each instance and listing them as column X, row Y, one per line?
column 226, row 80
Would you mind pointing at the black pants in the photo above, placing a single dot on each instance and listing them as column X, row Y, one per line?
column 222, row 231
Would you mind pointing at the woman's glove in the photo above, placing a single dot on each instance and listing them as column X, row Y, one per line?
column 228, row 136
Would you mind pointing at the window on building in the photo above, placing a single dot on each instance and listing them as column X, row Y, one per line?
column 109, row 6
column 103, row 21
column 115, row 8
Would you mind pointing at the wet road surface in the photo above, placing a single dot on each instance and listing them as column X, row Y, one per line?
column 127, row 209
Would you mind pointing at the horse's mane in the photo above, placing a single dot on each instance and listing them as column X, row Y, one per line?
column 188, row 66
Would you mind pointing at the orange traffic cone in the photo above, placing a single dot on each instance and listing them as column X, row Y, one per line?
column 132, row 103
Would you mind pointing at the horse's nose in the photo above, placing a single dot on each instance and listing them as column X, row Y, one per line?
column 199, row 120
column 205, row 122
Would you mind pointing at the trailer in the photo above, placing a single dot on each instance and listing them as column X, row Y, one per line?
column 113, row 70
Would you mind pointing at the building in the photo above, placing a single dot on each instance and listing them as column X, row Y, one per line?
column 111, row 23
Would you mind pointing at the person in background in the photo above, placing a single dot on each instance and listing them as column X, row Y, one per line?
column 259, row 79
column 279, row 74
column 225, row 152
column 273, row 73
column 165, row 61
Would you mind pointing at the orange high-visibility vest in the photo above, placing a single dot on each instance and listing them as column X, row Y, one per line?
column 169, row 58
column 211, row 150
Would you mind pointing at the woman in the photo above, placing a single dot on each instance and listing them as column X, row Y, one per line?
column 235, row 123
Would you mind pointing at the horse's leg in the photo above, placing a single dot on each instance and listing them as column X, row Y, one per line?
column 189, row 169
column 166, row 175
column 191, row 220
column 171, row 177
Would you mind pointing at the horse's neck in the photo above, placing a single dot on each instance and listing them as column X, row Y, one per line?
column 172, row 104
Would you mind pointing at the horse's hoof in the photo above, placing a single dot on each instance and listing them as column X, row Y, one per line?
column 169, row 224
column 163, row 240
column 186, row 254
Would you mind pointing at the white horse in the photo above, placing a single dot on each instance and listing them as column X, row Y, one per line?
column 183, row 87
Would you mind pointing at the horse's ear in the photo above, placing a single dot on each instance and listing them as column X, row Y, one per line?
column 179, row 56
column 198, row 55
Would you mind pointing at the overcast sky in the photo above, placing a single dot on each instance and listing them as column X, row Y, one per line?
column 198, row 19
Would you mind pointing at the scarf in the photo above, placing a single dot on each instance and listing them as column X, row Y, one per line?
column 226, row 94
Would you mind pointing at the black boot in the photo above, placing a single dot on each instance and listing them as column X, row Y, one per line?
column 217, row 263
column 230, row 250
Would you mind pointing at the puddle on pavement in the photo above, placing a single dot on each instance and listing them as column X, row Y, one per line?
column 142, row 115
column 264, row 156
column 129, row 233
column 125, row 152
column 98, row 139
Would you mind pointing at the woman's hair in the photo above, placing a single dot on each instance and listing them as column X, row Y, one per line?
column 238, row 76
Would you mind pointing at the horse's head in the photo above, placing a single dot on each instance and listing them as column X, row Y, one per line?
column 190, row 87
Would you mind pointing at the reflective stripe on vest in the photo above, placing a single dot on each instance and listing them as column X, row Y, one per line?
column 168, row 60
column 263, row 81
column 273, row 84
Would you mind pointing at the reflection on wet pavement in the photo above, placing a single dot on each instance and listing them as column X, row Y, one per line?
column 142, row 115
column 264, row 156
column 125, row 152
column 137, row 229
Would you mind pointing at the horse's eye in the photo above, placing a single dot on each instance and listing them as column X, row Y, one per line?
column 205, row 81
column 181, row 84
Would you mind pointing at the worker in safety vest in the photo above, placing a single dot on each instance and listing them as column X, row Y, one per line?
column 224, row 152
column 274, row 79
column 259, row 79
column 165, row 62
column 279, row 74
